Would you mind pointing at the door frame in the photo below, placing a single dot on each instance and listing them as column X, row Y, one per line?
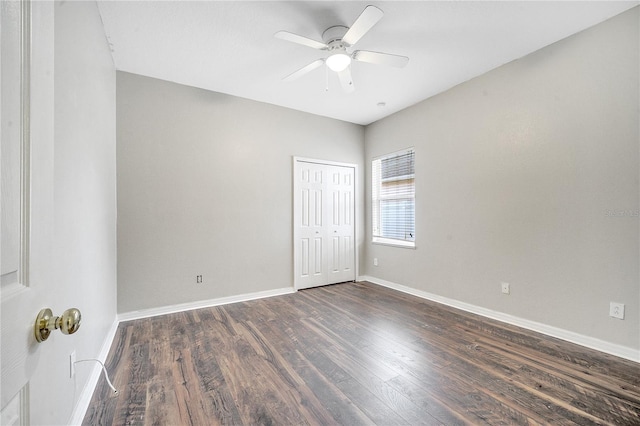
column 295, row 169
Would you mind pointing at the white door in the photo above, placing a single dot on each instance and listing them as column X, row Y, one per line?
column 324, row 223
column 310, row 211
column 341, row 193
column 26, row 116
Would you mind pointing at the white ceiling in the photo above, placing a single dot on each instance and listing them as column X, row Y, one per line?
column 228, row 46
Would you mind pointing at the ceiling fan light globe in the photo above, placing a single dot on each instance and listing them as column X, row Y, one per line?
column 338, row 61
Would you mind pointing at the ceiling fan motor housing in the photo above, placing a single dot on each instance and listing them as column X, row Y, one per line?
column 338, row 58
column 333, row 36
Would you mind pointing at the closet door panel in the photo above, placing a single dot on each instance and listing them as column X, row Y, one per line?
column 310, row 266
column 341, row 227
column 324, row 224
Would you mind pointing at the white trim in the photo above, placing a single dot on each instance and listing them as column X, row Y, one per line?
column 80, row 410
column 325, row 162
column 25, row 142
column 580, row 339
column 395, row 153
column 393, row 243
column 181, row 307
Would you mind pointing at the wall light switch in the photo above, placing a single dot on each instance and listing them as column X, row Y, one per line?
column 506, row 288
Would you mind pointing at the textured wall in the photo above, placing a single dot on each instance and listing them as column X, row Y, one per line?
column 205, row 188
column 517, row 173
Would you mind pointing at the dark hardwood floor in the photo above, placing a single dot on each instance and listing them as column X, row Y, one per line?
column 355, row 354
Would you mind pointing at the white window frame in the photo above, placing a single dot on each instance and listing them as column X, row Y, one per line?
column 376, row 199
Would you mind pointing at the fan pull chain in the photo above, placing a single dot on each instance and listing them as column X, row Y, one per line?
column 326, row 78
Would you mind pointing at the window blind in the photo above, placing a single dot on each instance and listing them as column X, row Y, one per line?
column 393, row 198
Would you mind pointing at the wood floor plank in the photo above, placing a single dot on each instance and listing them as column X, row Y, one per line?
column 319, row 377
column 213, row 384
column 355, row 354
column 562, row 383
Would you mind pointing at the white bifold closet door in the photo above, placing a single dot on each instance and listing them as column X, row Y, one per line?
column 324, row 223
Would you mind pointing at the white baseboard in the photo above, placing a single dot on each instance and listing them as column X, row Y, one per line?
column 181, row 307
column 82, row 405
column 580, row 339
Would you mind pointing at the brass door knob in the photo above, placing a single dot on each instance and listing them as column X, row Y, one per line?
column 68, row 323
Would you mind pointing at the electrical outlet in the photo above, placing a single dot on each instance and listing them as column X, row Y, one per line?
column 616, row 310
column 198, row 279
column 506, row 288
column 72, row 364
column 375, row 261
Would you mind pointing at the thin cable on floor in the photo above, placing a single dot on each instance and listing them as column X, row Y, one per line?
column 106, row 375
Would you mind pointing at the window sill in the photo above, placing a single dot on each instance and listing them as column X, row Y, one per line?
column 394, row 243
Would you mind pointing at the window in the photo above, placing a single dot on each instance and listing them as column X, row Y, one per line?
column 393, row 199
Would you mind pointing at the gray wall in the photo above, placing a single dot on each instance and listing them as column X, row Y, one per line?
column 80, row 71
column 205, row 188
column 516, row 172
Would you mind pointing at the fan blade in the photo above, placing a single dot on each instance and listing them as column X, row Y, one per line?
column 302, row 71
column 346, row 81
column 367, row 19
column 380, row 58
column 295, row 38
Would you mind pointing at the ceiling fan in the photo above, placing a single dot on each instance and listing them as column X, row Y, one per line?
column 338, row 40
